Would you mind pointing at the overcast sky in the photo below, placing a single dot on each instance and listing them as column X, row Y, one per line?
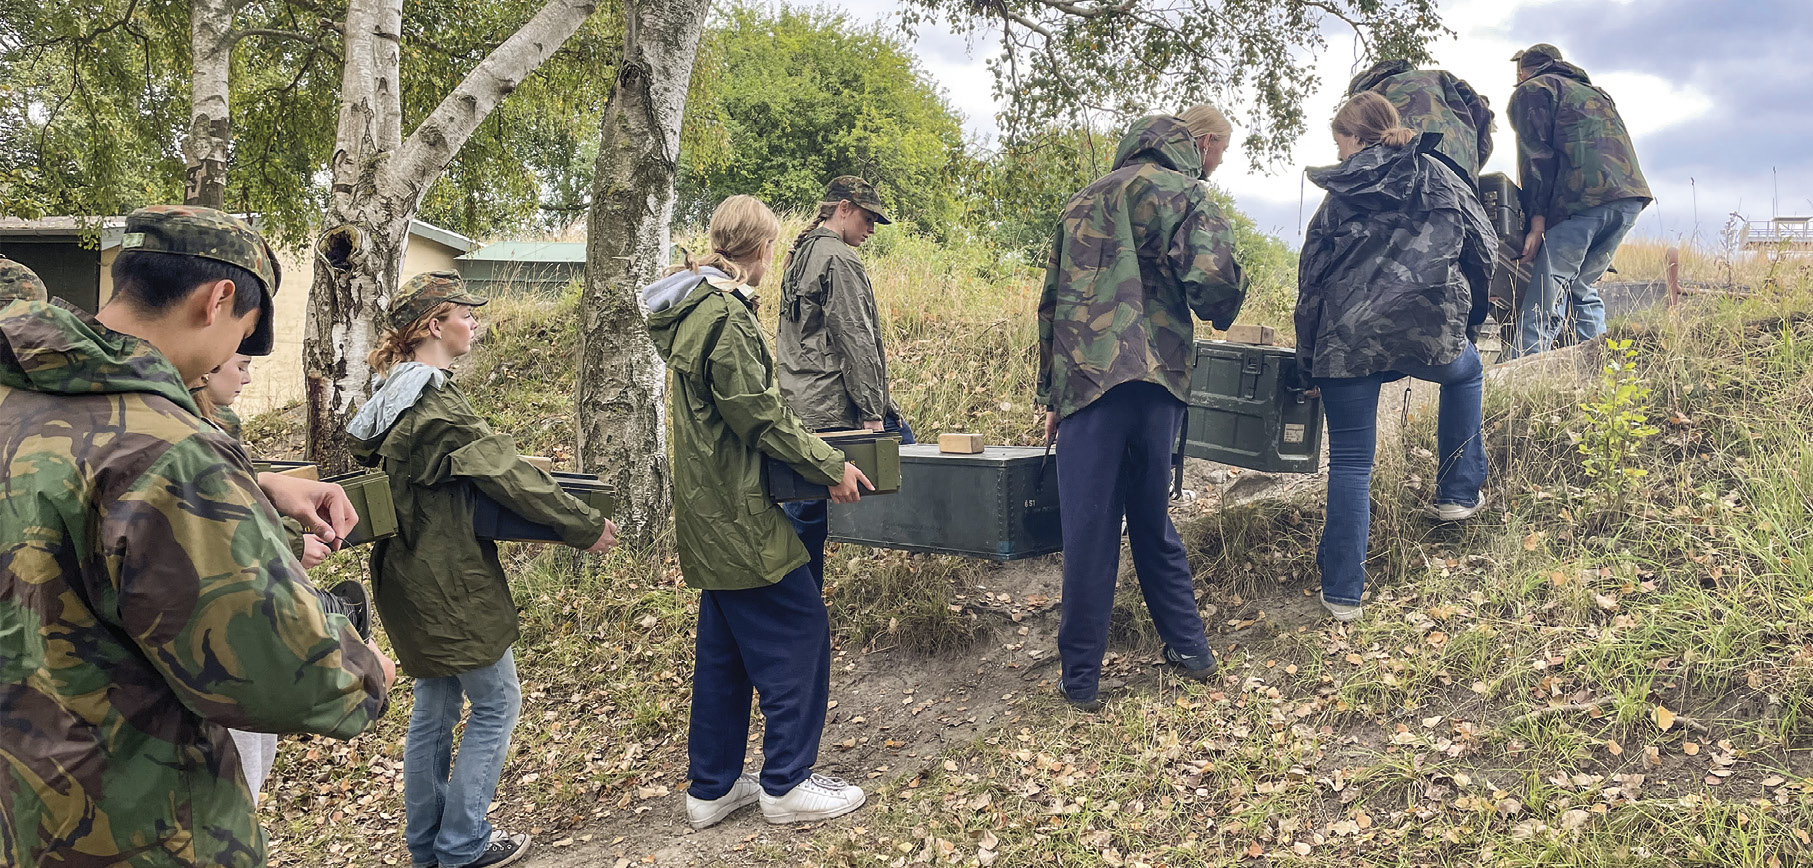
column 1717, row 95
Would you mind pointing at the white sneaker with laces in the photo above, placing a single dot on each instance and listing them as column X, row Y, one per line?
column 816, row 798
column 1342, row 612
column 1454, row 511
column 701, row 814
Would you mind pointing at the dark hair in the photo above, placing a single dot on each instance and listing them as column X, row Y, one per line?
column 155, row 281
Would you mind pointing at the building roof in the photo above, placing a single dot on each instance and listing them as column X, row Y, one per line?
column 530, row 251
column 443, row 236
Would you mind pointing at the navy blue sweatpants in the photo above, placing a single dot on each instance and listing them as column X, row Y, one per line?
column 776, row 641
column 811, row 519
column 1114, row 458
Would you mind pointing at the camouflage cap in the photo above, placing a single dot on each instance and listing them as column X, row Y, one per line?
column 859, row 192
column 17, row 281
column 191, row 230
column 421, row 293
column 1539, row 54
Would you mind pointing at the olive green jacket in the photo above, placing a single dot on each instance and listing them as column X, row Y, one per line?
column 440, row 590
column 833, row 367
column 727, row 413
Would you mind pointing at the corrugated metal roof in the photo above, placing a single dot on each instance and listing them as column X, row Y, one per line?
column 530, row 251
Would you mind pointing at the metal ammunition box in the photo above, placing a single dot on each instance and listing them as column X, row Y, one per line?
column 875, row 453
column 1244, row 412
column 298, row 469
column 491, row 520
column 1504, row 207
column 369, row 491
column 1000, row 504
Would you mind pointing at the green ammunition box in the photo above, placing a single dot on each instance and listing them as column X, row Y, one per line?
column 1000, row 504
column 369, row 491
column 1244, row 412
column 491, row 520
column 298, row 469
column 875, row 453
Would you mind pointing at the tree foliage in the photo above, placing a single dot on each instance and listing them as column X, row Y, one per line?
column 787, row 99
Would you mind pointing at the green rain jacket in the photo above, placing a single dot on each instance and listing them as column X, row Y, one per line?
column 147, row 603
column 440, row 590
column 833, row 367
column 727, row 413
column 1135, row 253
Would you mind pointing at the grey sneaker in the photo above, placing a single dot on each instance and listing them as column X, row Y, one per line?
column 816, row 798
column 1454, row 511
column 1087, row 706
column 1198, row 668
column 701, row 814
column 503, row 850
column 1341, row 611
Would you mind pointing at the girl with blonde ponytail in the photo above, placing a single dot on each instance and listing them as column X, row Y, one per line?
column 1392, row 284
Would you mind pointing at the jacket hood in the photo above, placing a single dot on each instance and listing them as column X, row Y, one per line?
column 1565, row 70
column 1380, row 177
column 1163, row 140
column 53, row 348
column 671, row 299
column 392, row 395
column 1378, row 72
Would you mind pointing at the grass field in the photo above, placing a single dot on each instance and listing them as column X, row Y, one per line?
column 1599, row 670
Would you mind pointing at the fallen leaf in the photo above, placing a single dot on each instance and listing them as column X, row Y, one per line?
column 1664, row 718
column 1691, row 748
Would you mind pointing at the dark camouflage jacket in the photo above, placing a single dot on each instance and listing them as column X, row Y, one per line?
column 833, row 368
column 1435, row 101
column 1573, row 152
column 1136, row 252
column 148, row 601
column 1396, row 264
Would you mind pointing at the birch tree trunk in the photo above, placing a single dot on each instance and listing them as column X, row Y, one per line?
column 379, row 179
column 210, row 124
column 620, row 400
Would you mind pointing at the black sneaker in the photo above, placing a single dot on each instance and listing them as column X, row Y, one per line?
column 503, row 850
column 1199, row 668
column 1090, row 706
column 350, row 599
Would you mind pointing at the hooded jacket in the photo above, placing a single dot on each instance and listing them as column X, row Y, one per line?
column 1573, row 152
column 833, row 367
column 1395, row 267
column 1135, row 253
column 148, row 601
column 727, row 413
column 440, row 590
column 1435, row 101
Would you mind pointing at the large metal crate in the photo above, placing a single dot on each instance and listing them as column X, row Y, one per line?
column 875, row 453
column 1504, row 207
column 491, row 520
column 1000, row 504
column 1244, row 412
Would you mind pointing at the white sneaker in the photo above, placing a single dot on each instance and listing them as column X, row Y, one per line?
column 816, row 798
column 1341, row 611
column 701, row 814
column 1454, row 511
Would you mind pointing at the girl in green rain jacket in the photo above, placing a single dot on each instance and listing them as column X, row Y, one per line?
column 441, row 592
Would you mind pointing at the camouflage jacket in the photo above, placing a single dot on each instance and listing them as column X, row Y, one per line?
column 1396, row 264
column 1135, row 253
column 1435, row 101
column 1573, row 152
column 833, row 368
column 147, row 602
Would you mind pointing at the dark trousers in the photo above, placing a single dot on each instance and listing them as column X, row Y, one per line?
column 775, row 641
column 810, row 517
column 1114, row 458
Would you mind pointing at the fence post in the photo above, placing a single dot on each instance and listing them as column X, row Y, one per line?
column 1673, row 272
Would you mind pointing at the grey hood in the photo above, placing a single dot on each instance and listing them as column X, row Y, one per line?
column 673, row 289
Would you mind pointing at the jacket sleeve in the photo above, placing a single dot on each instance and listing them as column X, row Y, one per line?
column 850, row 320
column 489, row 460
column 1202, row 259
column 1478, row 257
column 210, row 592
column 1481, row 117
column 1048, row 308
column 1308, row 317
column 750, row 402
column 1532, row 114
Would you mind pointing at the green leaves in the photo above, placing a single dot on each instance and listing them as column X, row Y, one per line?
column 1615, row 423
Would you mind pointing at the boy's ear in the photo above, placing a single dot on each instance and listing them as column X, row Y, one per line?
column 217, row 300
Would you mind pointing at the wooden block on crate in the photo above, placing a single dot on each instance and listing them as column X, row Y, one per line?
column 1246, row 333
column 960, row 444
column 298, row 469
column 541, row 462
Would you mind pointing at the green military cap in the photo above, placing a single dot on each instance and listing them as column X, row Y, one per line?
column 190, row 230
column 1539, row 54
column 422, row 292
column 860, row 193
column 17, row 281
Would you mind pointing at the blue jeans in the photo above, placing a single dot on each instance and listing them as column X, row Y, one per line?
column 1352, row 408
column 810, row 517
column 1114, row 459
column 1573, row 256
column 774, row 641
column 446, row 802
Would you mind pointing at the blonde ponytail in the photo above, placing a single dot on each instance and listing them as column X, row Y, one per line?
column 1372, row 119
column 1397, row 137
column 398, row 345
column 741, row 228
